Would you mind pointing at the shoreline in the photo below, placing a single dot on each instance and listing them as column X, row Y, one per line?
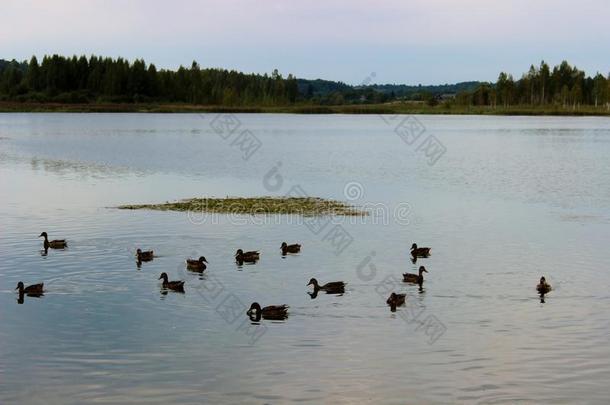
column 393, row 108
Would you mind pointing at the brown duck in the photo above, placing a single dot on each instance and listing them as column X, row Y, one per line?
column 335, row 287
column 144, row 256
column 54, row 244
column 248, row 257
column 172, row 285
column 396, row 300
column 543, row 287
column 420, row 251
column 415, row 278
column 33, row 290
column 286, row 248
column 272, row 312
column 197, row 265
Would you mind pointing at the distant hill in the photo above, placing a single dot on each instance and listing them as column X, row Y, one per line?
column 403, row 90
column 323, row 88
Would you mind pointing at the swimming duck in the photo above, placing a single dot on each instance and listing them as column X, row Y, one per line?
column 396, row 299
column 172, row 285
column 420, row 251
column 34, row 289
column 335, row 287
column 286, row 248
column 144, row 256
column 415, row 278
column 272, row 312
column 196, row 264
column 54, row 244
column 543, row 287
column 248, row 257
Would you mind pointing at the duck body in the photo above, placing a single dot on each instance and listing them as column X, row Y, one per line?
column 53, row 244
column 248, row 257
column 144, row 256
column 420, row 251
column 172, row 285
column 197, row 265
column 543, row 287
column 334, row 287
column 34, row 289
column 396, row 299
column 271, row 312
column 286, row 248
column 415, row 278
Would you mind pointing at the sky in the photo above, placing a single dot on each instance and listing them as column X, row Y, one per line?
column 408, row 41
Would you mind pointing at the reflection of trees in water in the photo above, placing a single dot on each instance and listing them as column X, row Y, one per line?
column 95, row 170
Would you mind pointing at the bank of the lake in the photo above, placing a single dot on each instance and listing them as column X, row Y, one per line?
column 386, row 108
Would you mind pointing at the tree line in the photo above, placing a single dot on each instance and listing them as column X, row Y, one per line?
column 97, row 79
column 101, row 79
column 564, row 85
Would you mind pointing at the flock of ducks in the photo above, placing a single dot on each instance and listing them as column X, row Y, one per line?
column 256, row 312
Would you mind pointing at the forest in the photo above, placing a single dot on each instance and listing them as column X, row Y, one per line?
column 78, row 79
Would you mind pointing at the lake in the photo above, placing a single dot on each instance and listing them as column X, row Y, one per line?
column 501, row 201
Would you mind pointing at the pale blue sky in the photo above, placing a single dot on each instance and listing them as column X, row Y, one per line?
column 409, row 41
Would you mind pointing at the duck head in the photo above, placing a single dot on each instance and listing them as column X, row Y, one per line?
column 542, row 280
column 313, row 282
column 254, row 308
column 239, row 253
column 284, row 245
column 20, row 286
column 43, row 235
column 422, row 269
column 202, row 259
column 163, row 277
column 414, row 246
column 139, row 251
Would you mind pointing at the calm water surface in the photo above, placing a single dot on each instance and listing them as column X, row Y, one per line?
column 512, row 199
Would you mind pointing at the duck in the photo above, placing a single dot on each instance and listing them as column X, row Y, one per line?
column 396, row 299
column 543, row 287
column 34, row 289
column 420, row 251
column 172, row 285
column 144, row 256
column 415, row 278
column 286, row 248
column 54, row 244
column 248, row 257
column 272, row 312
column 197, row 265
column 334, row 287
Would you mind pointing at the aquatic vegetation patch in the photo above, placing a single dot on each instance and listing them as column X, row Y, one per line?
column 306, row 206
